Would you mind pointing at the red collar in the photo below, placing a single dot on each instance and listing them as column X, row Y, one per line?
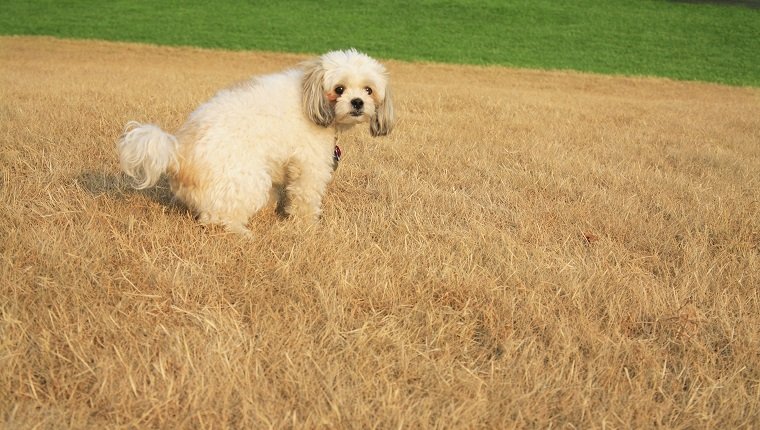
column 336, row 156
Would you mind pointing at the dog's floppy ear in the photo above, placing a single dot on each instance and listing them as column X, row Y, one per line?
column 382, row 123
column 316, row 106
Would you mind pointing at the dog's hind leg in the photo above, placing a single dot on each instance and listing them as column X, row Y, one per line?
column 231, row 203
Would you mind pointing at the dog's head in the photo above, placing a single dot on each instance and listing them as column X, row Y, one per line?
column 345, row 88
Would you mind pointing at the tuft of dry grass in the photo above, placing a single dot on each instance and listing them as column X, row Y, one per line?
column 527, row 249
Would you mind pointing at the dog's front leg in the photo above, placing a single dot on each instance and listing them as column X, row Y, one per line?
column 307, row 182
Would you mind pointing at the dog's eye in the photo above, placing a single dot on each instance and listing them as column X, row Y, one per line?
column 368, row 90
column 339, row 89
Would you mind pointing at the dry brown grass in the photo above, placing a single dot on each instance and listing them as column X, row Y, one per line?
column 527, row 249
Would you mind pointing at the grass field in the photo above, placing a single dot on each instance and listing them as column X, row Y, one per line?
column 526, row 249
column 692, row 41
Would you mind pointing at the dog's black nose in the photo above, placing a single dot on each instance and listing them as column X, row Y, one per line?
column 357, row 103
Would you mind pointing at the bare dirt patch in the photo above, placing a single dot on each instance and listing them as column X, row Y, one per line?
column 527, row 249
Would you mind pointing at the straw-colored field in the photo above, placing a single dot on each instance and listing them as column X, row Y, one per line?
column 526, row 249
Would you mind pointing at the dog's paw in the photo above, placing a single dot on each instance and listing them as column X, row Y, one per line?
column 240, row 229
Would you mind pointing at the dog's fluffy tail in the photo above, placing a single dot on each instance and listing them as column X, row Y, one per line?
column 146, row 152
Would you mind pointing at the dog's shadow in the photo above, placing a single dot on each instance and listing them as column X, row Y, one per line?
column 121, row 187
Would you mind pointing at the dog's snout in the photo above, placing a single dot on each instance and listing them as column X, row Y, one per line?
column 357, row 103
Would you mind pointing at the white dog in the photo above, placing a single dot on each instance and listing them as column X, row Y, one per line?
column 273, row 130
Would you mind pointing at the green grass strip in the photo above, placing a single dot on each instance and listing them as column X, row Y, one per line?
column 690, row 41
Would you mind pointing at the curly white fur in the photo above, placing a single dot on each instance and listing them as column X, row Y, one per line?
column 271, row 130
